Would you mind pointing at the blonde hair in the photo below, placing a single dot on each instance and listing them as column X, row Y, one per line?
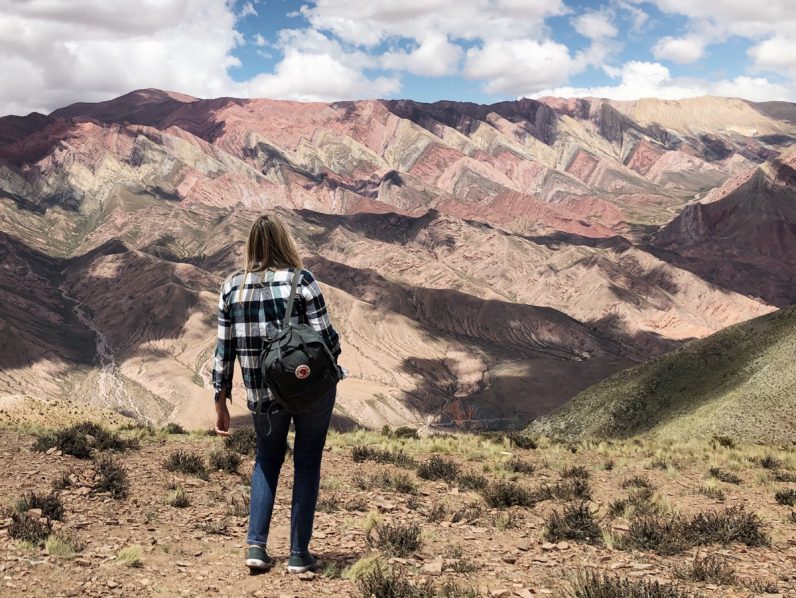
column 269, row 245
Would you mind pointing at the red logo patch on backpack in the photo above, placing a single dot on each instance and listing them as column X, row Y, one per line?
column 302, row 371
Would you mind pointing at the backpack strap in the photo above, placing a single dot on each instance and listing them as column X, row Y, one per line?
column 293, row 288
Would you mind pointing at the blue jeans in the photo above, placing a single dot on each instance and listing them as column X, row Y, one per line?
column 307, row 453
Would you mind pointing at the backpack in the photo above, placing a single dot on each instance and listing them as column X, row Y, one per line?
column 298, row 367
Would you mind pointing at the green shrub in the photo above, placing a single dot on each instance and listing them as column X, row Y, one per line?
column 81, row 440
column 708, row 569
column 471, row 481
column 187, row 463
column 51, row 505
column 576, row 472
column 575, row 523
column 174, row 428
column 384, row 582
column 786, row 497
column 361, row 454
column 724, row 476
column 395, row 539
column 177, row 498
column 437, row 468
column 596, row 585
column 500, row 495
column 225, row 460
column 517, row 465
column 521, row 441
column 112, row 477
column 242, row 441
column 406, row 432
column 28, row 529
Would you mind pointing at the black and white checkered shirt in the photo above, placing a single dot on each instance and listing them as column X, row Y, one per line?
column 247, row 315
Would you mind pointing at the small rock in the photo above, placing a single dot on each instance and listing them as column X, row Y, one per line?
column 112, row 584
column 562, row 545
column 548, row 546
column 434, row 567
column 499, row 592
column 306, row 576
column 50, row 450
column 510, row 559
column 35, row 513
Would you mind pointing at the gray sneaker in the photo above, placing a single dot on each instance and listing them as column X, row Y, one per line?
column 301, row 563
column 257, row 559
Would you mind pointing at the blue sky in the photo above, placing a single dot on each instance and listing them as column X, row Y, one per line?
column 53, row 52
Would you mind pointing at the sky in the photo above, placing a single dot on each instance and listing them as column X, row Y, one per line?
column 55, row 52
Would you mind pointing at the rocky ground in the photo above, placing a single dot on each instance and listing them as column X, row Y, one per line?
column 142, row 545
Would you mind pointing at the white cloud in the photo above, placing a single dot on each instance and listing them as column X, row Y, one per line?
column 434, row 57
column 595, row 25
column 682, row 50
column 653, row 80
column 55, row 53
column 779, row 52
column 369, row 23
column 259, row 40
column 248, row 10
column 519, row 67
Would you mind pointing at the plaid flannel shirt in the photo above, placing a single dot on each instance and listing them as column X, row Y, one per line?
column 246, row 316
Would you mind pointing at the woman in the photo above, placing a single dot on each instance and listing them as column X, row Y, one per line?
column 252, row 305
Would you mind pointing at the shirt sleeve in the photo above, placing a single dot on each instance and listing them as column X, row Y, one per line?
column 318, row 314
column 225, row 348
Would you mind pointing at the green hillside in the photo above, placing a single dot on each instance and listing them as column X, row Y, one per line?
column 739, row 382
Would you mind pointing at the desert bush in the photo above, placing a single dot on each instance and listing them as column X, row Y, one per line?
column 187, row 463
column 438, row 468
column 595, row 585
column 469, row 513
column 214, row 528
column 576, row 522
column 506, row 520
column 361, row 454
column 397, row 482
column 113, row 477
column 385, row 582
column 225, row 460
column 242, row 441
column 724, row 476
column 712, row 492
column 405, row 432
column 733, row 524
column 395, row 539
column 640, row 501
column 51, row 505
column 638, row 481
column 785, row 476
column 576, row 472
column 471, row 481
column 769, row 462
column 500, row 495
column 723, row 441
column 328, row 503
column 177, row 498
column 708, row 569
column 521, row 441
column 63, row 481
column 131, row 556
column 517, row 465
column 82, row 439
column 570, row 489
column 663, row 535
column 63, row 544
column 174, row 428
column 28, row 529
column 608, row 465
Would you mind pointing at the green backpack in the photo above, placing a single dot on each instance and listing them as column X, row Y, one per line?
column 298, row 367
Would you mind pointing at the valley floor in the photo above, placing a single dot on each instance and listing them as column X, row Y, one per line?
column 198, row 549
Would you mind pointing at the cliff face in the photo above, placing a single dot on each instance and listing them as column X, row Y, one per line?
column 469, row 252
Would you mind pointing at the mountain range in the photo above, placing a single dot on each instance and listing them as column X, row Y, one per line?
column 484, row 264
